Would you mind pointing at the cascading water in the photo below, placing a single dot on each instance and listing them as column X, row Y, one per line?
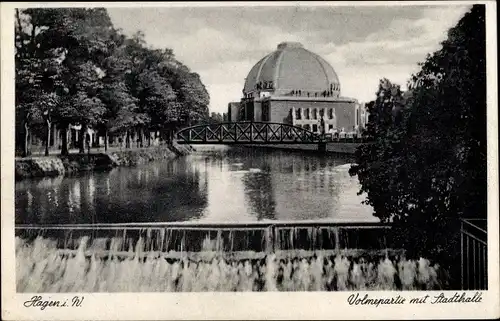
column 267, row 258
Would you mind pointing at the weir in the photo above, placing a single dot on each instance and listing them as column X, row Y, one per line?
column 188, row 237
column 195, row 256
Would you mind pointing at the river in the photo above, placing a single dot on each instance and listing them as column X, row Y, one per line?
column 215, row 184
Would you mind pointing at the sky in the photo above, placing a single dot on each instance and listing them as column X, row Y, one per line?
column 363, row 44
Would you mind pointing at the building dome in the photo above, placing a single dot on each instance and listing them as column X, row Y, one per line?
column 291, row 68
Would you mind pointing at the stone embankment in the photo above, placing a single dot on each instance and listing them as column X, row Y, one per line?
column 73, row 163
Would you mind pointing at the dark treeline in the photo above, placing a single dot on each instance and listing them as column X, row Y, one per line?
column 427, row 166
column 74, row 67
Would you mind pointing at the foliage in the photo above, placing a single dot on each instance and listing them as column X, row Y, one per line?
column 98, row 76
column 426, row 168
column 215, row 118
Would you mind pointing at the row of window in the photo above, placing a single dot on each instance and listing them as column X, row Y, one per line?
column 329, row 128
column 314, row 127
column 324, row 93
column 335, row 87
column 307, row 113
column 264, row 85
column 308, row 127
column 301, row 93
column 296, row 92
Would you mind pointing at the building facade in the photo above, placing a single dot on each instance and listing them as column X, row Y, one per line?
column 233, row 112
column 295, row 86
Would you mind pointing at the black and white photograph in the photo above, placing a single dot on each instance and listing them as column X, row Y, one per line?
column 252, row 148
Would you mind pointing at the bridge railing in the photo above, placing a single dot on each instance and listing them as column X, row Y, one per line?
column 257, row 133
column 245, row 132
column 474, row 254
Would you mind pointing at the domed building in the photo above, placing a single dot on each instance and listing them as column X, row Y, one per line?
column 296, row 86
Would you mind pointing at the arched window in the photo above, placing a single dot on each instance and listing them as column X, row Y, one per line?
column 330, row 113
column 315, row 113
column 298, row 113
column 308, row 115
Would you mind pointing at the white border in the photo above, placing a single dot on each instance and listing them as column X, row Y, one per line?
column 310, row 305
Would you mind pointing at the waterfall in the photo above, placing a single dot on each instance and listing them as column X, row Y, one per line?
column 215, row 258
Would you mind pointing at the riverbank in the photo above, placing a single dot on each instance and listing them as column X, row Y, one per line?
column 56, row 165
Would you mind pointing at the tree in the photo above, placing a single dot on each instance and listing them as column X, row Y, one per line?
column 64, row 47
column 73, row 67
column 27, row 114
column 37, row 75
column 115, row 94
column 195, row 98
column 215, row 118
column 166, row 91
column 426, row 167
column 120, row 107
column 156, row 99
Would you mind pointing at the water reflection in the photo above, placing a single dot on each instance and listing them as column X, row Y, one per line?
column 164, row 192
column 216, row 185
column 259, row 191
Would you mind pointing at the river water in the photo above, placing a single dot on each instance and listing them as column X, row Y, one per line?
column 215, row 184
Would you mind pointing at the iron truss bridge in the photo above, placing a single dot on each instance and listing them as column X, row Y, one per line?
column 253, row 133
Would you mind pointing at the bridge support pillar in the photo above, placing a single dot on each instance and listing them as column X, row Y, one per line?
column 322, row 147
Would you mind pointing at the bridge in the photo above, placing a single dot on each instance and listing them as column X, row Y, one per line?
column 254, row 133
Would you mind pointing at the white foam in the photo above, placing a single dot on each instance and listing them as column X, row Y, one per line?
column 239, row 172
column 344, row 166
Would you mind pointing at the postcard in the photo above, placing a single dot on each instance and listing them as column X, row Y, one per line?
column 249, row 160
